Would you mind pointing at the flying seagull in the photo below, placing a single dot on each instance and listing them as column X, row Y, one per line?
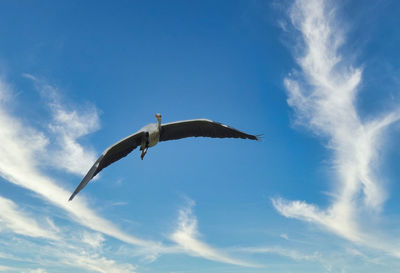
column 152, row 133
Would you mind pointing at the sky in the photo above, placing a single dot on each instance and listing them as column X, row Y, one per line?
column 318, row 78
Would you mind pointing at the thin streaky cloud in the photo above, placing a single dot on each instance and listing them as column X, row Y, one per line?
column 323, row 94
column 96, row 263
column 69, row 252
column 286, row 252
column 5, row 93
column 9, row 269
column 19, row 165
column 95, row 240
column 66, row 127
column 186, row 236
column 37, row 270
column 13, row 219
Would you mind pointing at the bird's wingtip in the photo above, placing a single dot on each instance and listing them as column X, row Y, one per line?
column 92, row 172
column 259, row 137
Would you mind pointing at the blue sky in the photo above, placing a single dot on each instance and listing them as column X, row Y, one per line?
column 319, row 79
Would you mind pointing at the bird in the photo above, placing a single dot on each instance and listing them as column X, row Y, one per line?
column 151, row 134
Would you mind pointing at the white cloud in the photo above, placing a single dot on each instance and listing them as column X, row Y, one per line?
column 285, row 252
column 284, row 236
column 68, row 253
column 38, row 270
column 94, row 239
column 5, row 93
column 187, row 237
column 67, row 126
column 337, row 223
column 8, row 269
column 22, row 149
column 323, row 95
column 96, row 263
column 14, row 219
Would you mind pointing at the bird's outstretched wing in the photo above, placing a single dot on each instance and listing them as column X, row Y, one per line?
column 200, row 128
column 113, row 153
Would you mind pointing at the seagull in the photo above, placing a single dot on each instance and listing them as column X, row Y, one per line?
column 153, row 133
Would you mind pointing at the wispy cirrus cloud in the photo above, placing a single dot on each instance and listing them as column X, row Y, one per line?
column 68, row 252
column 38, row 270
column 66, row 126
column 323, row 95
column 8, row 269
column 187, row 236
column 281, row 251
column 96, row 263
column 14, row 219
column 23, row 149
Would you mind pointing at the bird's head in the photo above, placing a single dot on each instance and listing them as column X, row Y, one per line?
column 158, row 117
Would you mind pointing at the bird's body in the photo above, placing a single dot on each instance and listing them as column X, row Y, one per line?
column 151, row 134
column 154, row 134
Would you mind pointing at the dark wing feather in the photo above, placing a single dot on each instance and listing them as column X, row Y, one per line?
column 200, row 128
column 112, row 154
